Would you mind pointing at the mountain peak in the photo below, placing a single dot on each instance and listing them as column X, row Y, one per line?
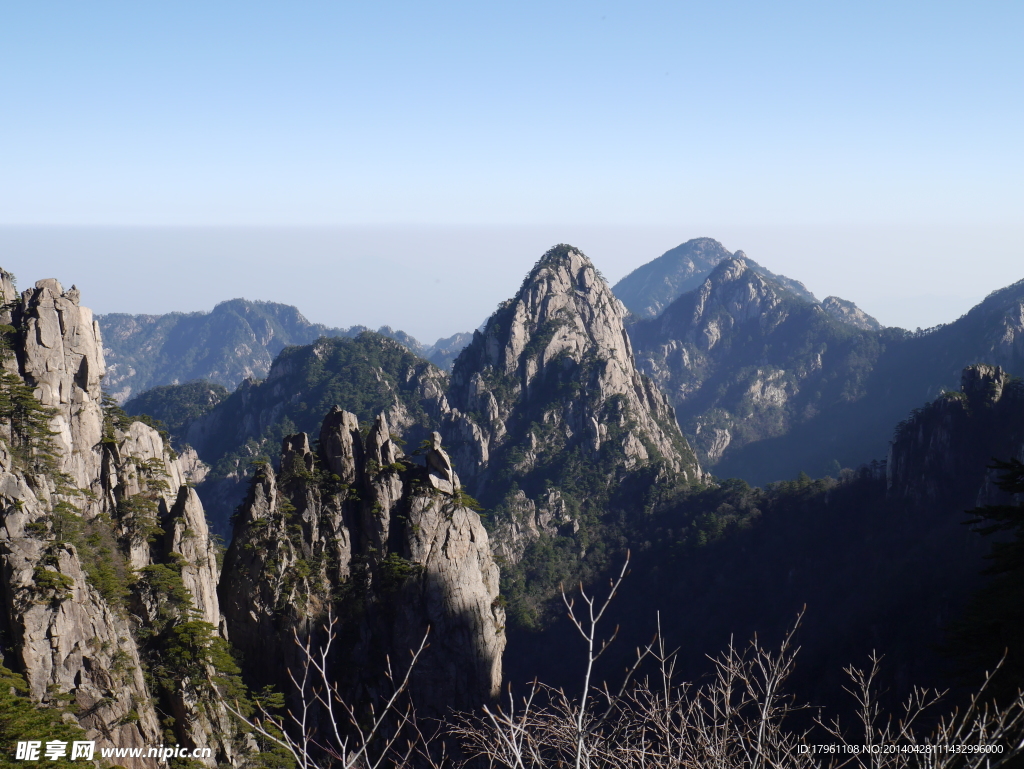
column 557, row 354
column 567, row 262
column 564, row 307
column 848, row 312
column 649, row 289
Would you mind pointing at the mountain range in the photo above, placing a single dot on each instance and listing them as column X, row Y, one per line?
column 357, row 483
column 767, row 383
column 237, row 340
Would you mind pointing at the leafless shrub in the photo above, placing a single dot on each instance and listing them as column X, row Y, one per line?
column 325, row 731
column 739, row 717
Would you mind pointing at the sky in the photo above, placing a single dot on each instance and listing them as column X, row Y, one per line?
column 407, row 162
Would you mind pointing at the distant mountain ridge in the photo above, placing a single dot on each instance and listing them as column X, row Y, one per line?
column 240, row 338
column 651, row 288
column 766, row 384
column 237, row 340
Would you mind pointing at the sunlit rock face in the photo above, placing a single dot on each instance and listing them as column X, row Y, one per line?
column 554, row 368
column 73, row 636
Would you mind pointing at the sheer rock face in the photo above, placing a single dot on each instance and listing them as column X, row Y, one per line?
column 352, row 521
column 557, row 355
column 1002, row 313
column 62, row 357
column 67, row 640
column 64, row 635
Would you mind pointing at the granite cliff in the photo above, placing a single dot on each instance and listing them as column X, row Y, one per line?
column 383, row 543
column 88, row 499
column 547, row 400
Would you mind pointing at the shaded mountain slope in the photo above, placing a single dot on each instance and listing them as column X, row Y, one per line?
column 766, row 384
column 178, row 406
column 911, row 368
column 880, row 559
column 743, row 359
column 649, row 289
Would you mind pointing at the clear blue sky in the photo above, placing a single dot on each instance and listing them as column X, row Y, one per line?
column 814, row 136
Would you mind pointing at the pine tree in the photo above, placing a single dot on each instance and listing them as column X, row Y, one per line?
column 26, row 425
column 22, row 720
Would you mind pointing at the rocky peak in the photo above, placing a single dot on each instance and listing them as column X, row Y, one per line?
column 983, row 384
column 651, row 288
column 848, row 312
column 562, row 307
column 732, row 295
column 8, row 292
column 353, row 529
column 341, row 444
column 62, row 358
column 441, row 474
column 557, row 355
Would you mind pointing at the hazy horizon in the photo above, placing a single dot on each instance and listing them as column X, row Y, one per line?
column 432, row 282
column 405, row 164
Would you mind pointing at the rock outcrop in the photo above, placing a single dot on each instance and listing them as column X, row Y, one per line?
column 86, row 498
column 380, row 543
column 848, row 312
column 61, row 357
column 941, row 452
